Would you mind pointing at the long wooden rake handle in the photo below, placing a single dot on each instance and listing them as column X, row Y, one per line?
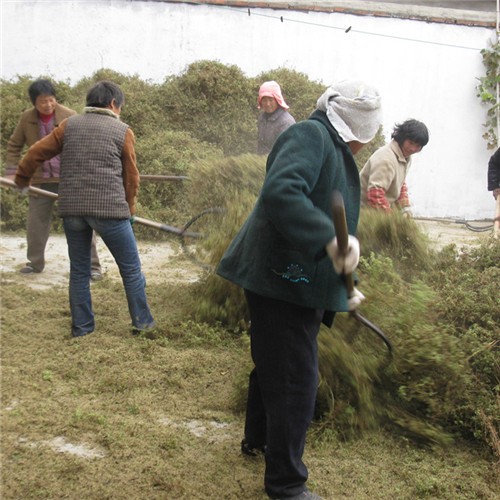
column 140, row 220
column 33, row 190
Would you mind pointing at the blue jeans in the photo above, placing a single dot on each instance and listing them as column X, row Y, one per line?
column 119, row 237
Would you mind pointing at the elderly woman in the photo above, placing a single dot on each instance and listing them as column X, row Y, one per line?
column 274, row 118
column 34, row 124
column 282, row 257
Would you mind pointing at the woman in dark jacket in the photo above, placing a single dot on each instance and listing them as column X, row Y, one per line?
column 282, row 257
column 494, row 174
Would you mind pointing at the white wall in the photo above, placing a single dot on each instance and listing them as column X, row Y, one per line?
column 433, row 81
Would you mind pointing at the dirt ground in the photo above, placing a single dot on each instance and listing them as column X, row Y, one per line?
column 443, row 232
column 158, row 259
column 158, row 262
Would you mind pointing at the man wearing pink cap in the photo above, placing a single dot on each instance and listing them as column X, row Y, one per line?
column 274, row 118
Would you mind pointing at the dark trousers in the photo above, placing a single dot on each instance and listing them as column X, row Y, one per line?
column 282, row 388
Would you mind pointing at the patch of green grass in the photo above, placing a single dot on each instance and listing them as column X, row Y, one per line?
column 142, row 402
column 166, row 414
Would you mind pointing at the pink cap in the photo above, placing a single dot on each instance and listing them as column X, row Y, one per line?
column 272, row 89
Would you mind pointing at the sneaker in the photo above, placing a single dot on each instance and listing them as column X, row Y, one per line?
column 151, row 331
column 96, row 276
column 305, row 495
column 250, row 451
column 28, row 270
column 81, row 334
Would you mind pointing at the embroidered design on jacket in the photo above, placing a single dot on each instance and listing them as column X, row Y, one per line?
column 293, row 273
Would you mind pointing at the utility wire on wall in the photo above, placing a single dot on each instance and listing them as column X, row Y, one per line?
column 350, row 29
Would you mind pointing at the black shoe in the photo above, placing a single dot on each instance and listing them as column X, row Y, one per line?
column 81, row 334
column 251, row 451
column 151, row 331
column 28, row 270
column 305, row 495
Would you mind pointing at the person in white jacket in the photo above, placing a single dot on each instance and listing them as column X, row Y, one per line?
column 383, row 178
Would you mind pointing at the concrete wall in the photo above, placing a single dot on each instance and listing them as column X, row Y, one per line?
column 423, row 70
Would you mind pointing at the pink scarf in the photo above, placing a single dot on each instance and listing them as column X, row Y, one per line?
column 272, row 89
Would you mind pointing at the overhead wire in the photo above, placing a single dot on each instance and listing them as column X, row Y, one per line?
column 251, row 12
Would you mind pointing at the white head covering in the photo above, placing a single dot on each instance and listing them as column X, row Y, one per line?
column 353, row 109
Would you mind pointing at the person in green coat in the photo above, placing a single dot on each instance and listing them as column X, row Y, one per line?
column 287, row 260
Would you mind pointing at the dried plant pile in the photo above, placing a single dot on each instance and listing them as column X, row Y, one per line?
column 140, row 402
column 445, row 373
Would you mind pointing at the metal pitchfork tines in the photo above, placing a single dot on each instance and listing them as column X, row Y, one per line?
column 340, row 223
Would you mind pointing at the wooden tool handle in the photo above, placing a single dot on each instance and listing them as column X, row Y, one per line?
column 340, row 223
column 32, row 190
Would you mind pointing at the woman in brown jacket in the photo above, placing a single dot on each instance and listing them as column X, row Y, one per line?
column 35, row 123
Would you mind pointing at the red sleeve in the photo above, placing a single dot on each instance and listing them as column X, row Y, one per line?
column 403, row 201
column 376, row 199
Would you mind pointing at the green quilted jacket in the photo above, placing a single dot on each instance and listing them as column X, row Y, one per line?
column 280, row 250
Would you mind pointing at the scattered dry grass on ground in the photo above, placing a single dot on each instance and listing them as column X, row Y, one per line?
column 111, row 416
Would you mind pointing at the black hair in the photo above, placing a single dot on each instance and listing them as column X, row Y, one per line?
column 41, row 87
column 411, row 129
column 101, row 95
